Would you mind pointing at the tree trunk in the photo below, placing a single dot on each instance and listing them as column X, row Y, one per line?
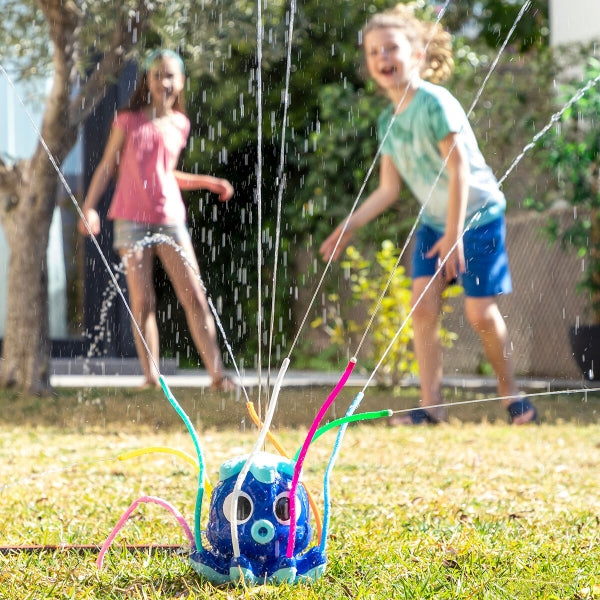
column 27, row 192
column 29, row 200
column 26, row 348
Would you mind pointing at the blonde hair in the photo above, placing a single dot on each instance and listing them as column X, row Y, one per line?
column 438, row 63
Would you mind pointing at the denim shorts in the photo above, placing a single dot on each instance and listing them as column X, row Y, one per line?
column 129, row 233
column 487, row 271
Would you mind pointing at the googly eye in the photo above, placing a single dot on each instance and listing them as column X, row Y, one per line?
column 244, row 508
column 281, row 508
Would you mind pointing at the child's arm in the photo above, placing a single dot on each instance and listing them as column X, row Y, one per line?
column 102, row 175
column 450, row 244
column 383, row 197
column 189, row 181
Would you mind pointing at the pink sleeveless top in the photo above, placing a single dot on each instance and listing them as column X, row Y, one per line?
column 147, row 191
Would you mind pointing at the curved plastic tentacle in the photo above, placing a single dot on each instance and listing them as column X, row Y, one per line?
column 237, row 488
column 311, row 500
column 168, row 450
column 201, row 468
column 336, row 449
column 349, row 418
column 121, row 522
column 332, row 396
column 159, row 449
column 256, row 420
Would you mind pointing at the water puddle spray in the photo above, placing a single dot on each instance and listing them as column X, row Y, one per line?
column 239, row 475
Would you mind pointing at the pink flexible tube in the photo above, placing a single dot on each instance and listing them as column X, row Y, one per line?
column 311, row 433
column 180, row 519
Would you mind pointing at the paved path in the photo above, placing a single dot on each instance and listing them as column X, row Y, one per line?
column 198, row 378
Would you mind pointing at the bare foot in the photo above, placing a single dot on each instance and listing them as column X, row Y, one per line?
column 526, row 418
column 148, row 385
column 224, row 384
column 416, row 416
column 521, row 411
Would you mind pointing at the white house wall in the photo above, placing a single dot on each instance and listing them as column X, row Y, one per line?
column 18, row 140
column 574, row 21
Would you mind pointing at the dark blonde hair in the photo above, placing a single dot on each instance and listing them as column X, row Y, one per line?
column 438, row 63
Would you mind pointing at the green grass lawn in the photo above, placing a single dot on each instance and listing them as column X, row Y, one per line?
column 469, row 509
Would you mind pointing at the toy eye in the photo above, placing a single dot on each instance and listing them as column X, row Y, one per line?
column 281, row 508
column 244, row 507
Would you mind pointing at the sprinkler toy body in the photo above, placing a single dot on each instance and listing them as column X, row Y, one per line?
column 263, row 524
column 255, row 534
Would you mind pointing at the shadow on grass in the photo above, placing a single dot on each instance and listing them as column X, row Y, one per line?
column 106, row 408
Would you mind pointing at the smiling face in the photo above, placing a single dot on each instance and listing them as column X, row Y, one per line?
column 391, row 60
column 165, row 82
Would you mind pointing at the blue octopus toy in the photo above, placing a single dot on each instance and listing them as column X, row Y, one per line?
column 272, row 535
column 263, row 517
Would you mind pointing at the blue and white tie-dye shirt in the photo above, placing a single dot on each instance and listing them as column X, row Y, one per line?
column 412, row 143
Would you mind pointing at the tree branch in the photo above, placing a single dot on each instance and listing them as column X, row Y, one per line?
column 62, row 17
column 107, row 71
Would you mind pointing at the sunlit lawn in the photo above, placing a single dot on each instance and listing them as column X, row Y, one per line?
column 464, row 510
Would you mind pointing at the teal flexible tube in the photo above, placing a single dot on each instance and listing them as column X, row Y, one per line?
column 336, row 449
column 201, row 467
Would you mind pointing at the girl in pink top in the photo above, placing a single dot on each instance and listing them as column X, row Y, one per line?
column 142, row 150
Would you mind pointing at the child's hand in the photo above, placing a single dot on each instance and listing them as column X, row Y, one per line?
column 453, row 249
column 93, row 219
column 224, row 189
column 328, row 246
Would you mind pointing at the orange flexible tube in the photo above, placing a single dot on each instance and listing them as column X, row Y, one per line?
column 279, row 448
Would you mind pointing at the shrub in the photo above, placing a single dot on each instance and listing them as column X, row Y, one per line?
column 573, row 154
column 391, row 331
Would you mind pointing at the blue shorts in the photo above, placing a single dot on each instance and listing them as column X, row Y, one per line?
column 487, row 271
column 128, row 233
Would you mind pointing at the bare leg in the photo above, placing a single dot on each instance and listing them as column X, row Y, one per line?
column 184, row 277
column 486, row 319
column 143, row 306
column 428, row 350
